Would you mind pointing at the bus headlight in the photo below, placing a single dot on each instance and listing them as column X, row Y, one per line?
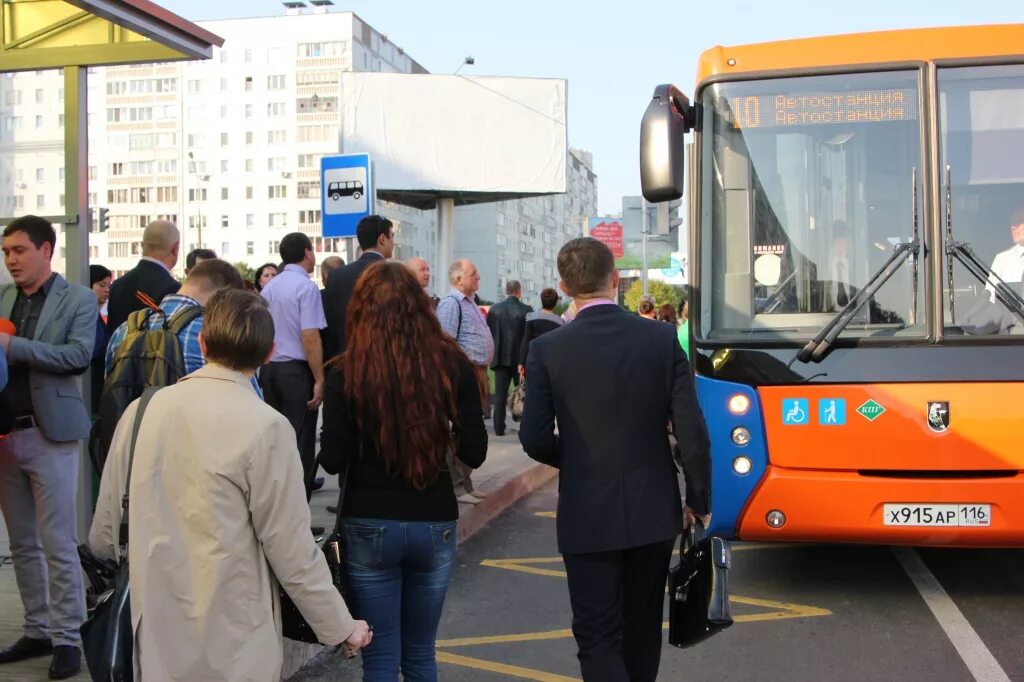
column 739, row 404
column 740, row 436
column 742, row 465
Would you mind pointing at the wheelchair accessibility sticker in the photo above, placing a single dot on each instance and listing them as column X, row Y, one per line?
column 795, row 411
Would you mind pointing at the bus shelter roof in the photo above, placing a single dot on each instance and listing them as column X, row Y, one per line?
column 50, row 34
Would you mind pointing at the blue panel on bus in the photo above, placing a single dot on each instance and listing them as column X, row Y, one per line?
column 731, row 490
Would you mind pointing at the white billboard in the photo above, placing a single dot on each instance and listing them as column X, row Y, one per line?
column 457, row 135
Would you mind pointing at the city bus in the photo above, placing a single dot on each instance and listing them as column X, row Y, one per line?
column 856, row 219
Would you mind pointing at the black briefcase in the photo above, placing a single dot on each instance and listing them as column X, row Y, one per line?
column 699, row 589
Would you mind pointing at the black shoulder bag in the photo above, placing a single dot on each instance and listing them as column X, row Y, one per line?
column 108, row 641
column 293, row 624
column 698, row 589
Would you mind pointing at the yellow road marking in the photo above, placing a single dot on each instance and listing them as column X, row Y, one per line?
column 546, row 515
column 513, row 670
column 504, row 639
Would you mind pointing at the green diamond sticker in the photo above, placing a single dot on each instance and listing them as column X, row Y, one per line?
column 870, row 410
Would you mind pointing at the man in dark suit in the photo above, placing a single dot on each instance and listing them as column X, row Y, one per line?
column 613, row 381
column 376, row 238
column 507, row 322
column 152, row 276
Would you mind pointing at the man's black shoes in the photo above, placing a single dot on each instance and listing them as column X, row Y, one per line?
column 67, row 662
column 24, row 649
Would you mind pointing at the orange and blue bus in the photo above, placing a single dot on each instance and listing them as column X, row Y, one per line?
column 856, row 219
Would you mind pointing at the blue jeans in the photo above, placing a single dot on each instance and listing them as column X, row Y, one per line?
column 398, row 574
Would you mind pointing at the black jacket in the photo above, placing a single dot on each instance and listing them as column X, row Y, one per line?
column 507, row 321
column 148, row 277
column 537, row 324
column 614, row 381
column 374, row 492
column 338, row 292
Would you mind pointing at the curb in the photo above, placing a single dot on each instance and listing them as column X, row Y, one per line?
column 519, row 486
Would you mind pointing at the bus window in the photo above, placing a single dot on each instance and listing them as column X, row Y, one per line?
column 810, row 178
column 981, row 121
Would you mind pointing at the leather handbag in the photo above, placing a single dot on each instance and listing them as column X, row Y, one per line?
column 699, row 589
column 517, row 401
column 293, row 624
column 108, row 639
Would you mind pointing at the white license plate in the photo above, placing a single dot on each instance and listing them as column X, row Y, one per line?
column 937, row 515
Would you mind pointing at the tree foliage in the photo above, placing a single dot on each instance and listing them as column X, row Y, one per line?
column 245, row 270
column 661, row 292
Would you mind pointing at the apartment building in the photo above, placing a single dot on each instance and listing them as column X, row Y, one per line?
column 229, row 149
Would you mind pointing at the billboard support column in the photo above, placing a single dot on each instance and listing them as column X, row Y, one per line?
column 445, row 243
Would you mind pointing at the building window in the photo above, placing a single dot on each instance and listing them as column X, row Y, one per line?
column 250, row 248
column 250, row 220
column 224, row 221
column 223, row 193
column 277, row 220
column 277, row 191
column 277, row 137
column 327, row 49
column 275, row 82
column 275, row 163
column 248, row 111
column 248, row 137
column 248, row 165
column 248, row 83
column 197, row 194
column 224, row 166
column 248, row 192
column 195, row 87
column 223, row 139
column 248, row 56
column 275, row 109
column 225, row 247
column 308, row 190
column 309, row 160
column 39, row 121
column 40, row 200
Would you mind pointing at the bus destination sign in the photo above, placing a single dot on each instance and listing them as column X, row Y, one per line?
column 822, row 108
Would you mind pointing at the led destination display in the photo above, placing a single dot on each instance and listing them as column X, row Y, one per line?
column 822, row 108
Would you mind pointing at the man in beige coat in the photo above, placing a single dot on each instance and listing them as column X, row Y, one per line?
column 218, row 511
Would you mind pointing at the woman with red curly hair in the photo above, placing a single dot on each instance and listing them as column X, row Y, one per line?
column 395, row 402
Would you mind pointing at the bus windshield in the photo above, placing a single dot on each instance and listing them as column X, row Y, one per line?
column 806, row 189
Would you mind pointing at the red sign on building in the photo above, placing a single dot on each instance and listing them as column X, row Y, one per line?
column 609, row 232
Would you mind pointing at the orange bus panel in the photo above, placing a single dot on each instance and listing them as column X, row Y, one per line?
column 882, row 47
column 983, row 434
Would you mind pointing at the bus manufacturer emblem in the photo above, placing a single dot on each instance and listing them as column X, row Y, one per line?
column 938, row 415
column 870, row 410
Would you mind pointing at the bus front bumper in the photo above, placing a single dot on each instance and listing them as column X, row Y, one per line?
column 843, row 506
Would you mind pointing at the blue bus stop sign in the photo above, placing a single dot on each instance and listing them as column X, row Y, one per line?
column 346, row 193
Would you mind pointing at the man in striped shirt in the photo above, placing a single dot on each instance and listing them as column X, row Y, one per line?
column 462, row 320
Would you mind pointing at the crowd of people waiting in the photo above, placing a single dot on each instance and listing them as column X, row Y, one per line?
column 220, row 466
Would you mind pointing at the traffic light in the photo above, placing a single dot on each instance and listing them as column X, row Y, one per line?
column 102, row 219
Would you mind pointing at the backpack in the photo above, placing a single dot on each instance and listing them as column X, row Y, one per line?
column 146, row 358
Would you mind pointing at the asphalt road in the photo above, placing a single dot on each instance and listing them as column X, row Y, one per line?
column 803, row 612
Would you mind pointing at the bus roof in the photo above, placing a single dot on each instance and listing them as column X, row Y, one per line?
column 924, row 44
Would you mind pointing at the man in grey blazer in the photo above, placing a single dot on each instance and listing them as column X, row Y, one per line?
column 56, row 329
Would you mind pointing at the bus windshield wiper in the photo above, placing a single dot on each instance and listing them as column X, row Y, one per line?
column 963, row 252
column 818, row 347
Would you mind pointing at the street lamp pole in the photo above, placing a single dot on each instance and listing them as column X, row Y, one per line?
column 643, row 247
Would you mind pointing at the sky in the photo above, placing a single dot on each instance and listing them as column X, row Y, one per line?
column 612, row 55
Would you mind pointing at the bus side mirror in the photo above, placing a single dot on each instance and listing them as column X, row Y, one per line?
column 668, row 117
